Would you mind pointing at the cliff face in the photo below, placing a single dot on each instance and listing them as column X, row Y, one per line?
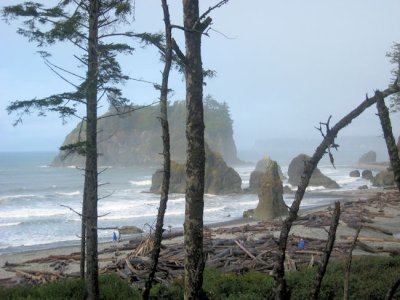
column 135, row 138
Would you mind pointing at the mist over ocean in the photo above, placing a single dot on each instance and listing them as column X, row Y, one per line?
column 32, row 194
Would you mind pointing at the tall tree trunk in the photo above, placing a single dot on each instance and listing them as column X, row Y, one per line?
column 195, row 163
column 166, row 153
column 279, row 271
column 83, row 235
column 92, row 274
column 383, row 114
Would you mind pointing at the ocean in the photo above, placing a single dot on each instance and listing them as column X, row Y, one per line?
column 35, row 200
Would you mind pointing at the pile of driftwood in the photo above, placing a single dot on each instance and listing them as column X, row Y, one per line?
column 237, row 255
column 234, row 249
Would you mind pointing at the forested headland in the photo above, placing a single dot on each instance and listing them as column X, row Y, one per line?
column 134, row 138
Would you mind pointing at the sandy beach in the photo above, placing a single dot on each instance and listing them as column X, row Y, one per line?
column 378, row 209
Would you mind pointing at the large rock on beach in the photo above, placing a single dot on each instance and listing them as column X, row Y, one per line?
column 296, row 169
column 270, row 196
column 261, row 167
column 383, row 178
column 219, row 177
column 355, row 173
column 367, row 174
column 368, row 158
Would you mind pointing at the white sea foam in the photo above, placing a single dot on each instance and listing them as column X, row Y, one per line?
column 315, row 188
column 10, row 224
column 46, row 222
column 26, row 213
column 14, row 198
column 140, row 182
column 76, row 193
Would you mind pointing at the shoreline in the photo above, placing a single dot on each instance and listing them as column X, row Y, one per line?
column 331, row 196
column 107, row 248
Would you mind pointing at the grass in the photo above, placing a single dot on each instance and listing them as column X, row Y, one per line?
column 370, row 279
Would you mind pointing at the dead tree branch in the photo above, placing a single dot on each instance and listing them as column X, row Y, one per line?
column 279, row 271
column 392, row 290
column 384, row 117
column 348, row 266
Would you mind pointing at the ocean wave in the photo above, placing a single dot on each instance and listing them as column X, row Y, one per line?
column 76, row 193
column 315, row 188
column 10, row 224
column 44, row 166
column 140, row 182
column 214, row 209
column 19, row 197
column 244, row 203
column 33, row 213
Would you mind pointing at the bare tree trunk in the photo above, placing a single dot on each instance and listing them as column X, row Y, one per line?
column 195, row 163
column 327, row 252
column 83, row 236
column 346, row 279
column 92, row 274
column 166, row 153
column 279, row 271
column 392, row 290
column 383, row 114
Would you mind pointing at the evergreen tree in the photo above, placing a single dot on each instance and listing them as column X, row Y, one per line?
column 89, row 25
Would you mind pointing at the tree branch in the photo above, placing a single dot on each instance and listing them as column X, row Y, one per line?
column 279, row 271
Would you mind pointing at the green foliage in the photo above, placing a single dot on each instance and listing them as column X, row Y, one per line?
column 111, row 288
column 65, row 289
column 171, row 292
column 114, row 288
column 371, row 278
column 68, row 21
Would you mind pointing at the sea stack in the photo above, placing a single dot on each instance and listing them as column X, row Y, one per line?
column 270, row 196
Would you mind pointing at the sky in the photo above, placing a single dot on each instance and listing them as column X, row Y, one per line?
column 282, row 67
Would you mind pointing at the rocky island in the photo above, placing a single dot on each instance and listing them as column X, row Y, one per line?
column 135, row 138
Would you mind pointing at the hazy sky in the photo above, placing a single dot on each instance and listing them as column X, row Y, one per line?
column 282, row 66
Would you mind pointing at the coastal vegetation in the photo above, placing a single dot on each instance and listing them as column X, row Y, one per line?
column 86, row 28
column 371, row 278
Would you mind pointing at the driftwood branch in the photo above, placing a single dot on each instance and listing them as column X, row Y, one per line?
column 327, row 252
column 279, row 271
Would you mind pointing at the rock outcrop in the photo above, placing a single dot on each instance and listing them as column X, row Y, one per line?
column 383, row 178
column 270, row 196
column 367, row 174
column 368, row 158
column 255, row 176
column 355, row 173
column 296, row 169
column 219, row 177
column 135, row 138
